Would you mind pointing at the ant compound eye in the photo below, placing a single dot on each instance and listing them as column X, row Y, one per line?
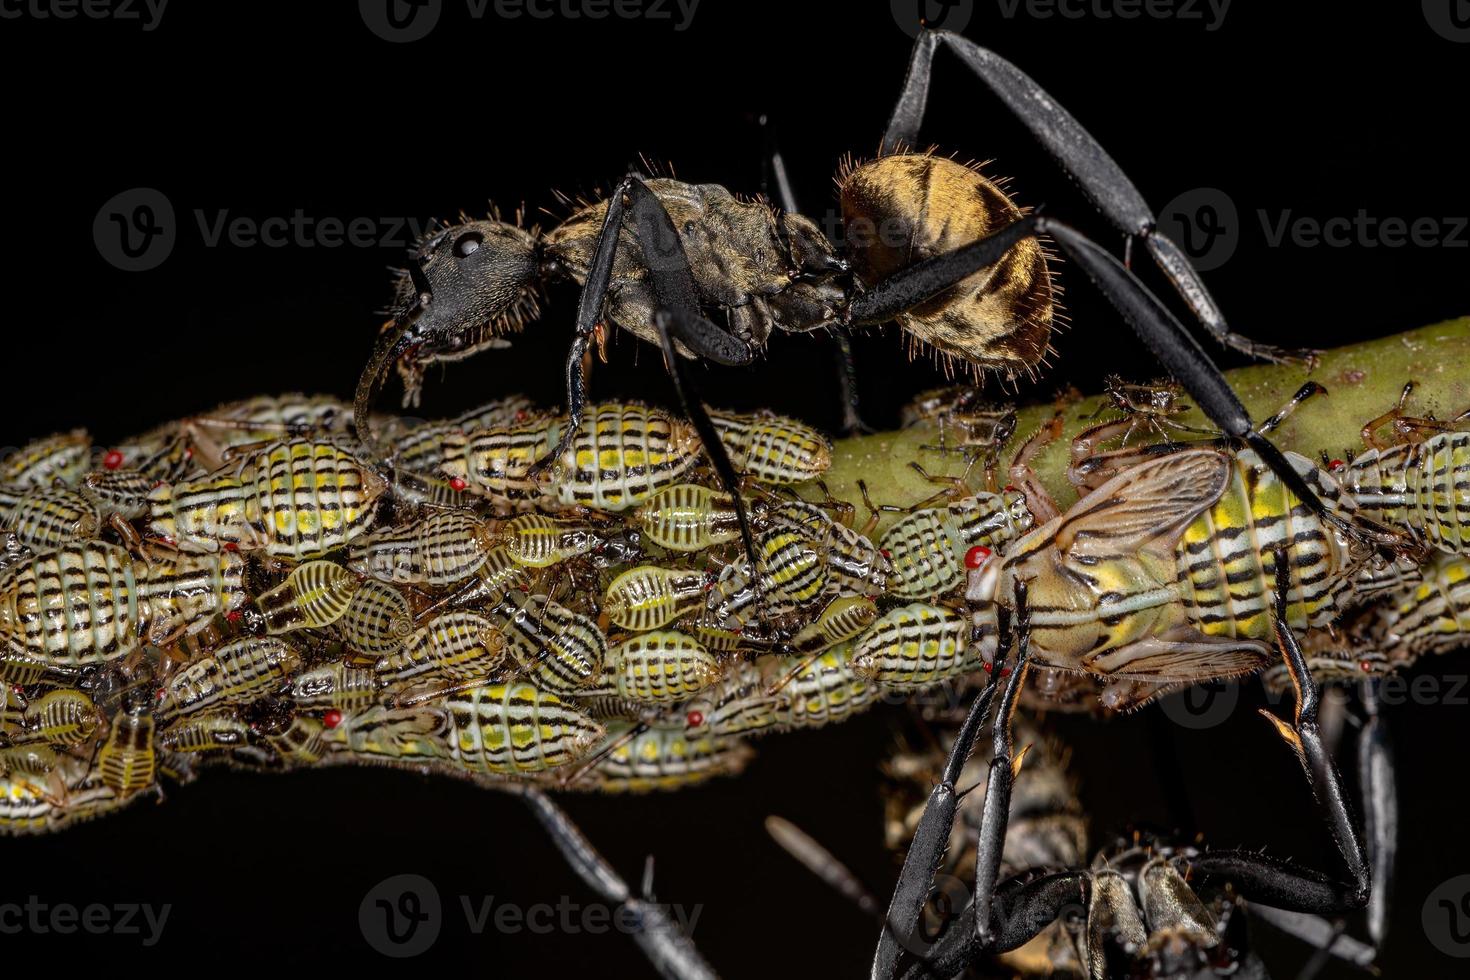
column 467, row 244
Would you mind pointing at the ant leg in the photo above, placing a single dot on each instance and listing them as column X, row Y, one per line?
column 694, row 332
column 1029, row 906
column 1273, row 881
column 1081, row 157
column 589, row 313
column 1023, row 908
column 996, row 813
column 671, row 953
column 852, row 419
column 773, row 172
column 677, row 318
column 931, row 838
column 923, row 280
column 1380, row 802
column 810, row 854
column 1000, row 916
column 1182, row 356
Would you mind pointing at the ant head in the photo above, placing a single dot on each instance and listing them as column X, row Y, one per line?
column 465, row 287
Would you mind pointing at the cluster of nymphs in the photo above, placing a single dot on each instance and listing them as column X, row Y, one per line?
column 242, row 587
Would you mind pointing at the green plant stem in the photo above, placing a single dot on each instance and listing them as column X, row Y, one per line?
column 1362, row 380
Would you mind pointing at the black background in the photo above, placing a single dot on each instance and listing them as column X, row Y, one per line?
column 260, row 110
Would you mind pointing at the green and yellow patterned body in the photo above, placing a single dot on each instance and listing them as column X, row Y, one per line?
column 661, row 667
column 49, row 517
column 917, row 646
column 29, row 806
column 314, row 595
column 772, row 448
column 1430, row 617
column 41, row 463
column 620, row 456
column 376, row 621
column 127, row 761
column 688, row 517
column 648, row 597
column 515, row 729
column 235, row 673
column 1423, row 487
column 297, row 500
column 564, row 650
column 440, row 549
column 337, row 685
column 538, row 541
column 91, row 603
column 822, row 690
column 662, row 759
column 927, row 548
column 60, row 717
column 453, row 646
